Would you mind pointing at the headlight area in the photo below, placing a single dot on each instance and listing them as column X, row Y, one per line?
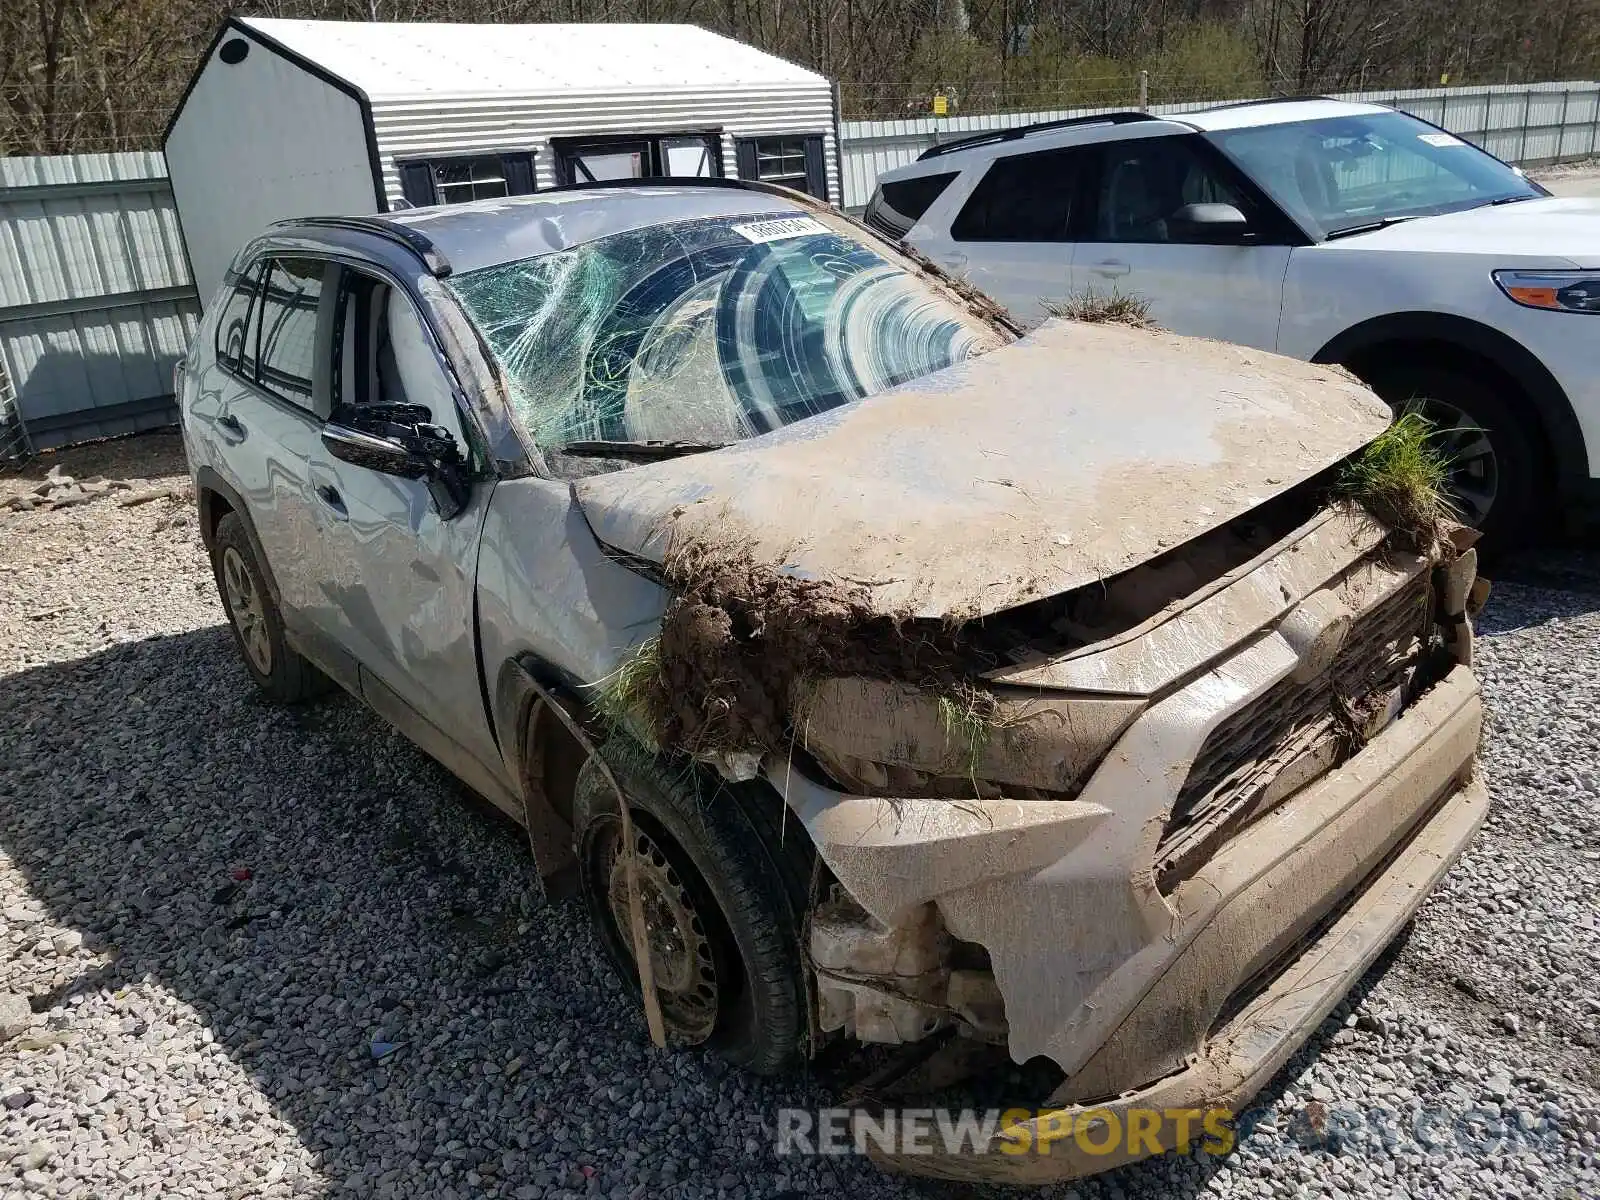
column 1557, row 291
column 894, row 740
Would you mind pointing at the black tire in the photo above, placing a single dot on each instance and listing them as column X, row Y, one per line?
column 279, row 671
column 745, row 872
column 1517, row 458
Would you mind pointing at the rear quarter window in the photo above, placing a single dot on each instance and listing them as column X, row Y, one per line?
column 895, row 207
column 1024, row 198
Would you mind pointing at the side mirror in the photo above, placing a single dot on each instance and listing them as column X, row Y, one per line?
column 400, row 439
column 1209, row 223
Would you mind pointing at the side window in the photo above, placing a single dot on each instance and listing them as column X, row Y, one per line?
column 637, row 156
column 1024, row 198
column 458, row 180
column 385, row 355
column 791, row 161
column 896, row 207
column 1143, row 183
column 288, row 328
column 235, row 340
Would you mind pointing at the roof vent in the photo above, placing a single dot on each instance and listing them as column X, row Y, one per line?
column 233, row 51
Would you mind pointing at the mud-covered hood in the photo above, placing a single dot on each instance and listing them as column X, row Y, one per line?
column 1064, row 458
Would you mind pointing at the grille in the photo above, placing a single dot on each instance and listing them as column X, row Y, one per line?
column 1290, row 734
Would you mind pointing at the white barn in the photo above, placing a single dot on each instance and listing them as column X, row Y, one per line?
column 300, row 118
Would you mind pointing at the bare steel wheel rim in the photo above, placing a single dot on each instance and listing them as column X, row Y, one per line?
column 681, row 956
column 1474, row 472
column 246, row 611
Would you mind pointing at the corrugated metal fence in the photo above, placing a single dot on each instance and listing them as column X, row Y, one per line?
column 96, row 303
column 1520, row 123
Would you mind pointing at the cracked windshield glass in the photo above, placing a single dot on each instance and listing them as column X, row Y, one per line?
column 708, row 331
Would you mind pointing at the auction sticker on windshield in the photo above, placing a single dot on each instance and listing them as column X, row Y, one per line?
column 779, row 229
column 1439, row 139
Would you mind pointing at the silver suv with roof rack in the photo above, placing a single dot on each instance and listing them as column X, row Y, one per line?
column 1331, row 231
column 1068, row 714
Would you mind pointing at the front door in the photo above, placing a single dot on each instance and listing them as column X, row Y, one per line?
column 400, row 577
column 1133, row 247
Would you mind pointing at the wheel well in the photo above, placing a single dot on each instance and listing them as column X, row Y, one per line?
column 557, row 757
column 213, row 507
column 1371, row 361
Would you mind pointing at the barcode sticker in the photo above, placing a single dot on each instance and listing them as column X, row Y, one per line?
column 1439, row 139
column 777, row 230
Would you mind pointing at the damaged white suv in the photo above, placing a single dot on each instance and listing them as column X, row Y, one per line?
column 886, row 675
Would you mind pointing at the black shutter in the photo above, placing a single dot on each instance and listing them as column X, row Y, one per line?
column 519, row 174
column 416, row 184
column 745, row 151
column 816, row 169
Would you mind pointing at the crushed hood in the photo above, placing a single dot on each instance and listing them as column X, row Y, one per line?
column 1067, row 457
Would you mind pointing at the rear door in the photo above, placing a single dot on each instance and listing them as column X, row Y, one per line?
column 267, row 417
column 1230, row 288
column 1012, row 237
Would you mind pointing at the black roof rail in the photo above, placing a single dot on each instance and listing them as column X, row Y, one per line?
column 414, row 240
column 1020, row 131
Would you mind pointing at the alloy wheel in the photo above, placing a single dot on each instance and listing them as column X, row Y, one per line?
column 246, row 610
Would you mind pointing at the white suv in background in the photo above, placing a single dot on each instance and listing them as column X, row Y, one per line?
column 1331, row 231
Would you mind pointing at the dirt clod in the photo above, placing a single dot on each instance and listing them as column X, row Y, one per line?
column 741, row 638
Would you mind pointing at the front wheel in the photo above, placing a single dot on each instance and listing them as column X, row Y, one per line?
column 1496, row 481
column 723, row 888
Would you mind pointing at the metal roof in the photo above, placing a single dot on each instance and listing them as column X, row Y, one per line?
column 396, row 60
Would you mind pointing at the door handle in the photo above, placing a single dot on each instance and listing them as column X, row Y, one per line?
column 330, row 496
column 232, row 428
column 953, row 261
column 1112, row 268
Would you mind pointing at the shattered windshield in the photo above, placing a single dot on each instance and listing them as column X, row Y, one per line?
column 708, row 331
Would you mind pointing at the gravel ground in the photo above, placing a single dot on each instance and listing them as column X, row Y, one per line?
column 218, row 914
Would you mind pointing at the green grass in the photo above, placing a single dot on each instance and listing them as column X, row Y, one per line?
column 1097, row 309
column 624, row 699
column 1400, row 478
column 968, row 722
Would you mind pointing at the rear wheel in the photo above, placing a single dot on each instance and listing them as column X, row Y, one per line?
column 257, row 625
column 722, row 886
column 1496, row 467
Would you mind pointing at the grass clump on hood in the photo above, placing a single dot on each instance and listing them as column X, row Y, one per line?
column 1095, row 309
column 1401, row 477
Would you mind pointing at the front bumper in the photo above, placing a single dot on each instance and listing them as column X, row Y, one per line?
column 1407, row 801
column 1136, row 992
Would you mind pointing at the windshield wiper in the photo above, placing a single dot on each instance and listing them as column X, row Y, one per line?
column 1368, row 227
column 1513, row 200
column 641, row 450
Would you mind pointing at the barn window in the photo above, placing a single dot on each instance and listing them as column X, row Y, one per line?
column 638, row 156
column 792, row 162
column 458, row 180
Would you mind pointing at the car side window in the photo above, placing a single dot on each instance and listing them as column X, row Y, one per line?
column 896, row 207
column 1024, row 198
column 385, row 355
column 1143, row 184
column 287, row 335
column 235, row 339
